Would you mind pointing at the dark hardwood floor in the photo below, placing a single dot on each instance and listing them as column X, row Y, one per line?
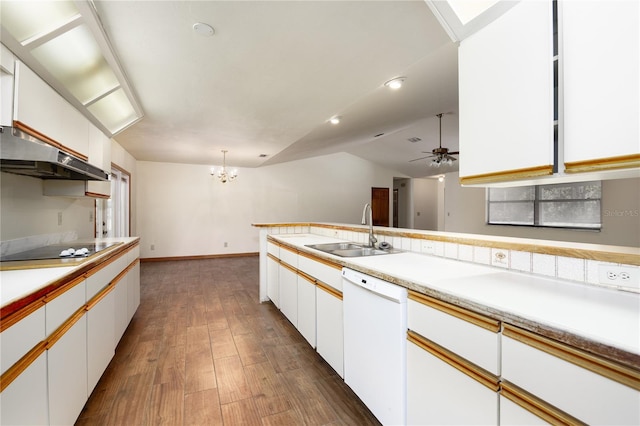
column 201, row 350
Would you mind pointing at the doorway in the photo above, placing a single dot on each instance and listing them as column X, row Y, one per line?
column 380, row 206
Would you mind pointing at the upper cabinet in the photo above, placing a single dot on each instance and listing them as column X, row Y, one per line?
column 600, row 54
column 506, row 96
column 99, row 156
column 551, row 94
column 41, row 110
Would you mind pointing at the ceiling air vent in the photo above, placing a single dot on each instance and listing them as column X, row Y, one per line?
column 414, row 140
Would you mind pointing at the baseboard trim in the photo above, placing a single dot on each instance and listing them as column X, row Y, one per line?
column 199, row 257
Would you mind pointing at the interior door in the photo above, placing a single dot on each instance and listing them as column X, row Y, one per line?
column 380, row 206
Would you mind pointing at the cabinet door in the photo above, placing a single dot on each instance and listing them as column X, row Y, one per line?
column 321, row 269
column 21, row 337
column 307, row 308
column 513, row 414
column 100, row 338
column 273, row 287
column 330, row 327
column 133, row 298
column 506, row 96
column 439, row 394
column 41, row 108
column 24, row 401
column 600, row 56
column 121, row 308
column 67, row 370
column 7, row 64
column 289, row 293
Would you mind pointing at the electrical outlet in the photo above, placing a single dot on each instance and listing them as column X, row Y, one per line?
column 59, row 218
column 622, row 276
column 226, row 244
column 152, row 247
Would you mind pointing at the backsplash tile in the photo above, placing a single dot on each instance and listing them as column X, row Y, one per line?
column 570, row 268
column 544, row 264
column 520, row 261
column 465, row 252
column 451, row 250
column 482, row 255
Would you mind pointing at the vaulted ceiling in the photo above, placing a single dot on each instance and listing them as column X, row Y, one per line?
column 273, row 74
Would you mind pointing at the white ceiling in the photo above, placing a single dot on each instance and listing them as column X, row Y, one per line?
column 274, row 72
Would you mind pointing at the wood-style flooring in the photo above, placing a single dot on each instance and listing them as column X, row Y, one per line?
column 202, row 350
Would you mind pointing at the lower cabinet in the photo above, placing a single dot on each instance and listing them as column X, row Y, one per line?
column 289, row 292
column 307, row 307
column 439, row 393
column 100, row 338
column 453, row 364
column 133, row 290
column 330, row 326
column 24, row 401
column 273, row 280
column 566, row 382
column 67, row 372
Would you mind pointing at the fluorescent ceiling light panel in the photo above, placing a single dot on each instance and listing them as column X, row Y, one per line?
column 27, row 19
column 75, row 59
column 114, row 111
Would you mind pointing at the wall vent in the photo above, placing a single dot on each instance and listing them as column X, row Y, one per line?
column 414, row 139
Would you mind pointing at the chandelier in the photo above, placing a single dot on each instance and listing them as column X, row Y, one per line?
column 223, row 174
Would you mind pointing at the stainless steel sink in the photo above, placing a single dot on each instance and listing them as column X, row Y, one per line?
column 349, row 249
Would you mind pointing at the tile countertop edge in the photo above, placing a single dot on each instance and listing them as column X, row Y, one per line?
column 613, row 353
column 600, row 252
column 15, row 305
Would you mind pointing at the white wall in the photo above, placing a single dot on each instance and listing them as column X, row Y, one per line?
column 425, row 204
column 465, row 212
column 26, row 212
column 184, row 211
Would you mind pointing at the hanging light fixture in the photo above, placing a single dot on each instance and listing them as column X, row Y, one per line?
column 223, row 174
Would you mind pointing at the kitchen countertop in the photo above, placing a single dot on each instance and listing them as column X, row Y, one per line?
column 597, row 319
column 19, row 286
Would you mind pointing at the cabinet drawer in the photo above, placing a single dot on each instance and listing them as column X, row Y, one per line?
column 323, row 270
column 583, row 385
column 21, row 337
column 133, row 254
column 274, row 249
column 289, row 256
column 63, row 307
column 98, row 278
column 469, row 335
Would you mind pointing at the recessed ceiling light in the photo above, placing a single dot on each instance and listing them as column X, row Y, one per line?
column 203, row 29
column 396, row 83
column 335, row 120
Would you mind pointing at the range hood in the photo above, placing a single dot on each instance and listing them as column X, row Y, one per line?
column 23, row 154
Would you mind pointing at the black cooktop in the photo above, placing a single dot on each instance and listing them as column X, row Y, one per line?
column 53, row 251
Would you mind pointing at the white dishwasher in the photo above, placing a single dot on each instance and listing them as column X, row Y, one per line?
column 375, row 344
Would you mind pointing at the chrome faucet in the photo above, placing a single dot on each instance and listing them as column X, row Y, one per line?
column 372, row 240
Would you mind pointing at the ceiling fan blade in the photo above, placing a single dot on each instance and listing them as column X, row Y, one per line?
column 454, row 153
column 421, row 158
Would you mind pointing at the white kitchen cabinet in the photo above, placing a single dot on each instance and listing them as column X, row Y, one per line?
column 99, row 156
column 121, row 314
column 453, row 364
column 21, row 337
column 600, row 55
column 100, row 338
column 514, row 414
column 289, row 293
column 133, row 298
column 585, row 386
column 273, row 279
column 42, row 109
column 24, row 401
column 506, row 96
column 307, row 307
column 321, row 269
column 440, row 394
column 67, row 374
column 330, row 326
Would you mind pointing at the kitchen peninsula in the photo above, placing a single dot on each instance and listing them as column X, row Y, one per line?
column 553, row 328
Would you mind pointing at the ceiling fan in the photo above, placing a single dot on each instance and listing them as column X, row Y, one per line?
column 441, row 156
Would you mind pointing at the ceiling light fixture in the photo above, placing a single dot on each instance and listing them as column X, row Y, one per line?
column 395, row 83
column 223, row 174
column 202, row 29
column 440, row 178
column 335, row 120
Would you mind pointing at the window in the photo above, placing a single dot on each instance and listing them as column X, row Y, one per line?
column 112, row 215
column 563, row 205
